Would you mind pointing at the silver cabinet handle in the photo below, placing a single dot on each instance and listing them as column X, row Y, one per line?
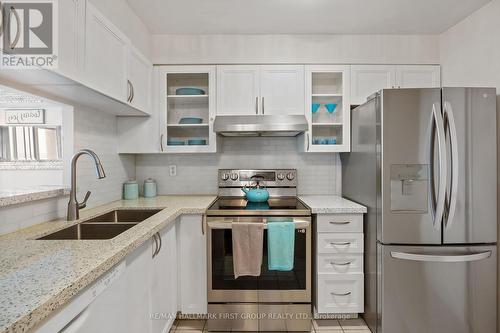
column 440, row 258
column 159, row 247
column 307, row 134
column 437, row 129
column 133, row 92
column 340, row 263
column 335, row 222
column 450, row 123
column 256, row 105
column 18, row 24
column 161, row 142
column 263, row 105
column 340, row 294
column 340, row 243
column 155, row 250
column 203, row 221
column 129, row 88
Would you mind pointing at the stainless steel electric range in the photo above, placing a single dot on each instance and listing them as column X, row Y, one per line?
column 275, row 300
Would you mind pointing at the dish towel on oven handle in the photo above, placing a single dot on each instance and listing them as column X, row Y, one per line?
column 248, row 244
column 280, row 245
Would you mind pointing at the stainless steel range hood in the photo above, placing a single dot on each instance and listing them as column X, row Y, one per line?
column 260, row 125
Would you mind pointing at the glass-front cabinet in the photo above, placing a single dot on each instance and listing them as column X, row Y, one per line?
column 187, row 109
column 327, row 108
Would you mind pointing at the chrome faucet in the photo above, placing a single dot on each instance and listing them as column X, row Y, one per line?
column 73, row 205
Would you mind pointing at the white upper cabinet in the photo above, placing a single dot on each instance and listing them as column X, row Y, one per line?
column 418, row 76
column 237, row 90
column 265, row 89
column 282, row 90
column 186, row 108
column 71, row 41
column 139, row 80
column 368, row 79
column 328, row 113
column 106, row 55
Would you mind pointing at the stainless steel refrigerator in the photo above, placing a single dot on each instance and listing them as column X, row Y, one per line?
column 424, row 162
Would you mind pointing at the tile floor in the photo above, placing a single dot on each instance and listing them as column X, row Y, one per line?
column 319, row 326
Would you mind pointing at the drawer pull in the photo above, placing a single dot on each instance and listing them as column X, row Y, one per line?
column 335, row 222
column 340, row 263
column 339, row 294
column 340, row 243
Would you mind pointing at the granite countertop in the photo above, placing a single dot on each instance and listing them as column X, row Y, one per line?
column 39, row 276
column 22, row 195
column 331, row 204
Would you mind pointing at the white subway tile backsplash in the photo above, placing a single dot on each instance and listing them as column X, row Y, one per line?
column 197, row 174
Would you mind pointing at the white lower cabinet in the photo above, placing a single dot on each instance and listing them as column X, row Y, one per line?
column 163, row 286
column 192, row 286
column 338, row 264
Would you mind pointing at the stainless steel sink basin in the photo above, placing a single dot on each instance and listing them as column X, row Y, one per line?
column 124, row 215
column 90, row 231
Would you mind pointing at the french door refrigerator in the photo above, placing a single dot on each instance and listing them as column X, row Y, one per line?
column 424, row 162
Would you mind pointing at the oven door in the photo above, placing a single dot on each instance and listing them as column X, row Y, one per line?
column 271, row 286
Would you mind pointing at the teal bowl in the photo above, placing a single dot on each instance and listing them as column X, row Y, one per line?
column 189, row 91
column 175, row 143
column 315, row 107
column 330, row 107
column 197, row 142
column 190, row 120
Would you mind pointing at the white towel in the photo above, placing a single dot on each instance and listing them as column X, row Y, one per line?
column 248, row 242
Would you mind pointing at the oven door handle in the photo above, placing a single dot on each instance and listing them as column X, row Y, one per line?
column 228, row 225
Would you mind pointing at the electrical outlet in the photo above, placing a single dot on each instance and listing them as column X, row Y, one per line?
column 172, row 170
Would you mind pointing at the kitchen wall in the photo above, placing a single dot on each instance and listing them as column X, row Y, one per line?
column 338, row 49
column 470, row 56
column 95, row 130
column 197, row 174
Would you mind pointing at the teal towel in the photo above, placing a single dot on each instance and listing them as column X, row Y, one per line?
column 280, row 245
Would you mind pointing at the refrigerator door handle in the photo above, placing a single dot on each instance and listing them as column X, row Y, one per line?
column 441, row 258
column 439, row 204
column 450, row 121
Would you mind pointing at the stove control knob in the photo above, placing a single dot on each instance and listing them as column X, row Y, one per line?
column 224, row 176
column 290, row 176
column 281, row 176
column 234, row 176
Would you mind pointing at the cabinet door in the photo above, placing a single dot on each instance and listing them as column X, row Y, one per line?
column 368, row 79
column 418, row 76
column 237, row 90
column 139, row 80
column 138, row 277
column 192, row 265
column 163, row 292
column 282, row 90
column 71, row 37
column 106, row 50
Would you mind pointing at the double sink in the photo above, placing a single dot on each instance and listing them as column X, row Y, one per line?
column 104, row 226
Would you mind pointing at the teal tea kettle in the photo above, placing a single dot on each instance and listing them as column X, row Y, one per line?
column 256, row 193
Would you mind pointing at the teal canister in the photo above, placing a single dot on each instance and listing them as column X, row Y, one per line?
column 130, row 190
column 149, row 188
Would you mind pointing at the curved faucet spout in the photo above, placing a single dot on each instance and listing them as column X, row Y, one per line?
column 73, row 205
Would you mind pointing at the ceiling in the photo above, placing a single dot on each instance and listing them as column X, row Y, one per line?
column 302, row 16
